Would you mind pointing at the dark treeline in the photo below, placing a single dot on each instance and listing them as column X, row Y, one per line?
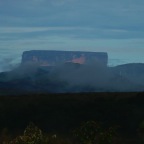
column 64, row 112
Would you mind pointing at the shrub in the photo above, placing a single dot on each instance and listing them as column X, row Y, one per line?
column 141, row 131
column 32, row 135
column 106, row 137
column 91, row 132
column 87, row 133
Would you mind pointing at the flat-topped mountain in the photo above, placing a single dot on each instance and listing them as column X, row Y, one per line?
column 54, row 57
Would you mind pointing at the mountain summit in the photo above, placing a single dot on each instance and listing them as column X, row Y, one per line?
column 54, row 58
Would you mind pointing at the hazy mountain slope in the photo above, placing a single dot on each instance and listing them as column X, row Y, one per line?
column 72, row 77
column 134, row 72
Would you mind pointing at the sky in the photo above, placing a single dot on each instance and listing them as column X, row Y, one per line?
column 113, row 26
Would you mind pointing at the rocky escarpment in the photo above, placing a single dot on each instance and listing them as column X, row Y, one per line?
column 53, row 58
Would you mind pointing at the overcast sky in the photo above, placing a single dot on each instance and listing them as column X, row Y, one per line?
column 113, row 26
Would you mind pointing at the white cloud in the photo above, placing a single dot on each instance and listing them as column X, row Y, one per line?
column 38, row 29
column 42, row 29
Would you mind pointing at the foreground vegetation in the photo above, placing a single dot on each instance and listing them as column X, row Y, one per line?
column 89, row 132
column 84, row 118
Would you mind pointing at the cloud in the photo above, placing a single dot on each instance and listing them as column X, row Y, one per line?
column 92, row 25
column 60, row 2
column 71, row 32
column 38, row 29
column 8, row 61
column 75, row 12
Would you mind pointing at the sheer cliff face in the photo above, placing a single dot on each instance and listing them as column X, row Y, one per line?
column 53, row 58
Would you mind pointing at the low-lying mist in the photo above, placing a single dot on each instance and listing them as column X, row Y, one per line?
column 73, row 77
